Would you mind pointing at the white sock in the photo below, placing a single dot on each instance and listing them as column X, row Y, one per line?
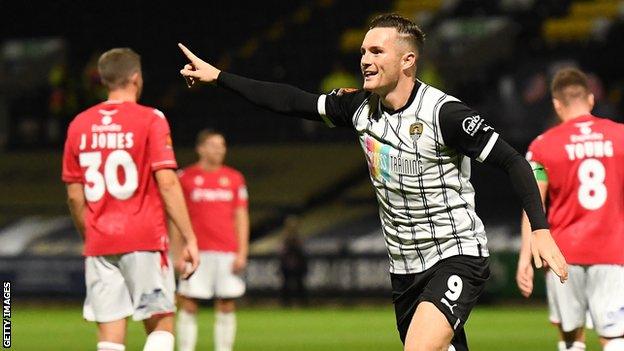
column 224, row 331
column 577, row 346
column 159, row 340
column 187, row 331
column 561, row 346
column 110, row 346
column 614, row 345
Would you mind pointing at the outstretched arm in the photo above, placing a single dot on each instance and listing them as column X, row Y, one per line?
column 276, row 97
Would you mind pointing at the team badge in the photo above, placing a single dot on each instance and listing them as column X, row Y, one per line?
column 198, row 180
column 416, row 130
column 224, row 181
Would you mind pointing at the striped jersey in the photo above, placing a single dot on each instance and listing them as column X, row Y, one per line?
column 419, row 163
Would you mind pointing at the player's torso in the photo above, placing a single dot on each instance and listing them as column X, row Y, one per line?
column 584, row 162
column 211, row 199
column 121, row 193
column 422, row 186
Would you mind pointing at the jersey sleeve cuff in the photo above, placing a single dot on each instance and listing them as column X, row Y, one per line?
column 72, row 179
column 488, row 147
column 320, row 105
column 164, row 164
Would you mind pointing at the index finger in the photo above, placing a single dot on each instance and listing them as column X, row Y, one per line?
column 191, row 56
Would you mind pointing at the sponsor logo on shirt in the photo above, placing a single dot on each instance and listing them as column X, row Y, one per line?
column 198, row 180
column 211, row 195
column 382, row 163
column 224, row 181
column 471, row 125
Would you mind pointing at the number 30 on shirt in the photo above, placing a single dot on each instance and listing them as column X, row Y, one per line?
column 98, row 183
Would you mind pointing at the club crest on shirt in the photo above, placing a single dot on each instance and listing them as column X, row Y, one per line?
column 198, row 180
column 415, row 130
column 224, row 181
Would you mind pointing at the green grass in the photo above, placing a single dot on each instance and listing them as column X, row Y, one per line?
column 340, row 329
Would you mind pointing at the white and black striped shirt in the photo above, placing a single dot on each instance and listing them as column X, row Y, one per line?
column 419, row 170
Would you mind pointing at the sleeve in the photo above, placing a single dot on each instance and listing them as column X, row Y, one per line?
column 241, row 195
column 533, row 156
column 276, row 97
column 338, row 107
column 72, row 172
column 520, row 174
column 160, row 144
column 464, row 129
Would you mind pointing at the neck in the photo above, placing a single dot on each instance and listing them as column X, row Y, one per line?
column 398, row 96
column 575, row 112
column 122, row 95
column 208, row 166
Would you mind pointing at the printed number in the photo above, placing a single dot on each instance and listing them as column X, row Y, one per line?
column 98, row 183
column 592, row 193
column 455, row 286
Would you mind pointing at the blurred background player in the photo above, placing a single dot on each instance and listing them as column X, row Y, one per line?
column 119, row 166
column 217, row 199
column 579, row 167
column 418, row 142
column 293, row 264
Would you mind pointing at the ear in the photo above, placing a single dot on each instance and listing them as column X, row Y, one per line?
column 591, row 101
column 134, row 78
column 557, row 105
column 408, row 60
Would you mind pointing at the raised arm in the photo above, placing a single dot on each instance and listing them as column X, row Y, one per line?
column 276, row 97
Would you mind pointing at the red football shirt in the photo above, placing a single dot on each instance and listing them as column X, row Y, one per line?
column 212, row 198
column 584, row 161
column 113, row 148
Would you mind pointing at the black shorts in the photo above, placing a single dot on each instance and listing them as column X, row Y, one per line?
column 453, row 285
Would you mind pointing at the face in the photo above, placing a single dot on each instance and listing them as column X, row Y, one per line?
column 212, row 150
column 381, row 60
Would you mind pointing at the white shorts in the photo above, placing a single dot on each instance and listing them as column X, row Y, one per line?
column 135, row 284
column 597, row 289
column 213, row 278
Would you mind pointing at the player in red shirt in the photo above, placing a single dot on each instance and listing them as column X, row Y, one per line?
column 579, row 166
column 119, row 164
column 217, row 200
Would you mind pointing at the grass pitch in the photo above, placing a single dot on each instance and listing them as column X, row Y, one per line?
column 324, row 328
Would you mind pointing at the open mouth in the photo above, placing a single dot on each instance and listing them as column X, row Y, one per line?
column 369, row 74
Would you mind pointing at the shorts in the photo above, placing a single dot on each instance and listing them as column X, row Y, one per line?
column 138, row 284
column 597, row 289
column 213, row 278
column 453, row 285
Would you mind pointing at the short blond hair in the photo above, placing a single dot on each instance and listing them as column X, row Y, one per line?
column 116, row 66
column 569, row 84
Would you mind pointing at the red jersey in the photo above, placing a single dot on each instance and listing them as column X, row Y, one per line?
column 212, row 198
column 584, row 162
column 113, row 148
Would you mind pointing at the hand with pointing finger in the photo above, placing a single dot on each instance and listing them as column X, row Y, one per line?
column 197, row 69
column 543, row 247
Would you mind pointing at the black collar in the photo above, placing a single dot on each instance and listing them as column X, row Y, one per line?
column 407, row 104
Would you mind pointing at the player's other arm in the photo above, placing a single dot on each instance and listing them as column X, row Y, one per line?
column 241, row 224
column 77, row 205
column 173, row 198
column 465, row 130
column 524, row 273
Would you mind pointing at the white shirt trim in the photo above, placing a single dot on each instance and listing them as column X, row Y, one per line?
column 320, row 106
column 488, row 147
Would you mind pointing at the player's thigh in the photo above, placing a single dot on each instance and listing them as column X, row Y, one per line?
column 429, row 330
column 108, row 298
column 568, row 302
column 605, row 291
column 201, row 285
column 150, row 280
column 228, row 285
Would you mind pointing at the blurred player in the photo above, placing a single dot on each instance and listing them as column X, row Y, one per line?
column 418, row 142
column 579, row 167
column 217, row 199
column 119, row 166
